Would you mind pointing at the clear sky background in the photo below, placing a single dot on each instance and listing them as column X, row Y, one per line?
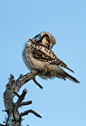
column 61, row 103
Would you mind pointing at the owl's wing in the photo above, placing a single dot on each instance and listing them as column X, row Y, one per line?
column 46, row 55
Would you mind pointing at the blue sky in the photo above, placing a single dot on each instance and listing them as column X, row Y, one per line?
column 61, row 103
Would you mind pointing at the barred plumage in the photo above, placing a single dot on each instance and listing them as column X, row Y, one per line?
column 37, row 54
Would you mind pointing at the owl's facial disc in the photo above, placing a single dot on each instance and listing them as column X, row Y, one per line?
column 46, row 42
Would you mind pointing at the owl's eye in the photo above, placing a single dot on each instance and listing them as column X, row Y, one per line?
column 47, row 39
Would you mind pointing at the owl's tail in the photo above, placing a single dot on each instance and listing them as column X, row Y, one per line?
column 72, row 78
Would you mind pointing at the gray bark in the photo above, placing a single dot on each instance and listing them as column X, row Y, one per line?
column 12, row 88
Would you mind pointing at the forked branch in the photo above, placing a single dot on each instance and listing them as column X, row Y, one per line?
column 12, row 88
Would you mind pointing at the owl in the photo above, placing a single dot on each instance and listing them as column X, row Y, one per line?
column 37, row 55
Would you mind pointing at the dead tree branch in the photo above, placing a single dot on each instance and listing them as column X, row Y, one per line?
column 12, row 88
column 25, row 103
column 30, row 111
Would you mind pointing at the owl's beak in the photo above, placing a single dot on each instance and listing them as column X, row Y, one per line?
column 50, row 46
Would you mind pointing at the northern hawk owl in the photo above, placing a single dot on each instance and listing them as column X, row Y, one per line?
column 37, row 55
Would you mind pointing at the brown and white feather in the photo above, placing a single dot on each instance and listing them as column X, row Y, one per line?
column 45, row 61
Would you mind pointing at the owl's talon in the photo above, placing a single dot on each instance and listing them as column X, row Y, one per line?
column 37, row 83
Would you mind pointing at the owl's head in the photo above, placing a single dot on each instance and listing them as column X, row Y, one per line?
column 45, row 39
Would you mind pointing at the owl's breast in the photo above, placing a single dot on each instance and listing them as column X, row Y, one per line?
column 32, row 62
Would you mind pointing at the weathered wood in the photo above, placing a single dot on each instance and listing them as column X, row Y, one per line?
column 12, row 88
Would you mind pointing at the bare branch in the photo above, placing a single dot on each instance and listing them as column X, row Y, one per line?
column 30, row 111
column 37, row 83
column 25, row 103
column 21, row 98
column 16, row 94
column 12, row 88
